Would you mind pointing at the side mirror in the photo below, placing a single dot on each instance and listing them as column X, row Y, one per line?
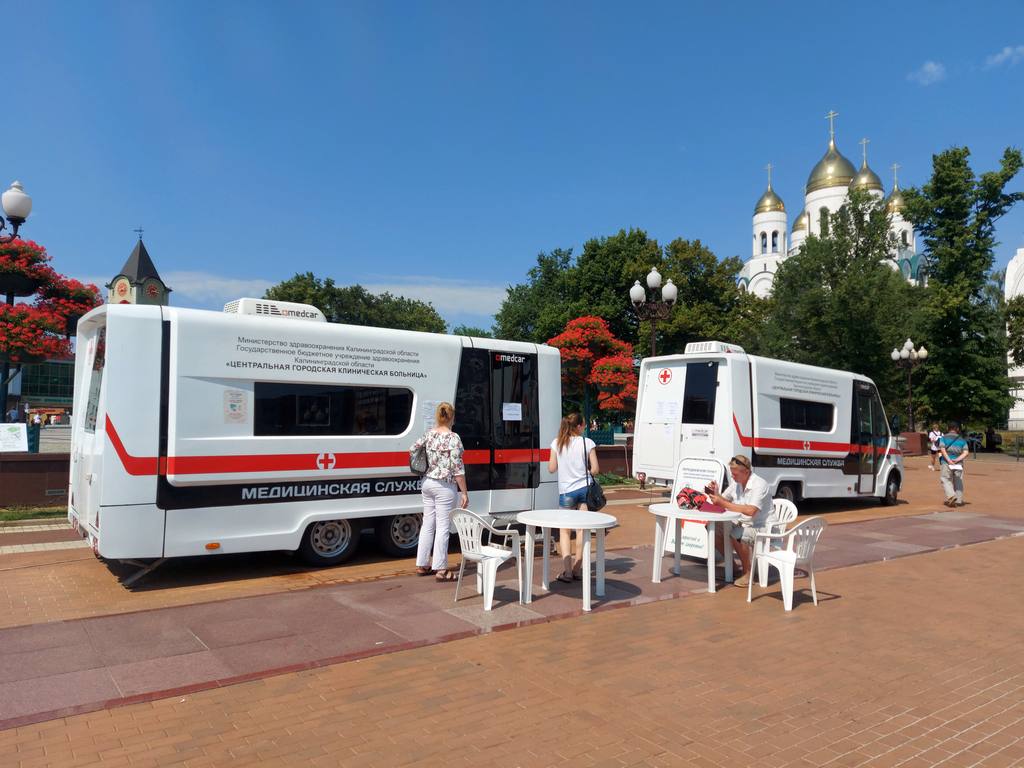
column 894, row 424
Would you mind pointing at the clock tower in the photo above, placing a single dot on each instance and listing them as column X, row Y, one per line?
column 138, row 282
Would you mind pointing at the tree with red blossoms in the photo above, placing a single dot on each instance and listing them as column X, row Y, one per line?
column 593, row 359
column 40, row 330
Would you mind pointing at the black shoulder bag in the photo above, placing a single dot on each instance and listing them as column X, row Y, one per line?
column 595, row 494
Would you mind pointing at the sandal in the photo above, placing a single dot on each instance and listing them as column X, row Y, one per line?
column 424, row 570
column 577, row 572
column 564, row 578
column 445, row 575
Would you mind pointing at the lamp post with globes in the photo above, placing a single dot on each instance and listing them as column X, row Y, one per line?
column 653, row 310
column 17, row 205
column 908, row 357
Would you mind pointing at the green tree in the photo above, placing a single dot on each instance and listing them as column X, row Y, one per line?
column 539, row 308
column 355, row 305
column 1015, row 328
column 838, row 304
column 955, row 214
column 471, row 330
column 710, row 305
column 597, row 283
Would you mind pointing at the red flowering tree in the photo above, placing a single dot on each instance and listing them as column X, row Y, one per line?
column 593, row 359
column 40, row 330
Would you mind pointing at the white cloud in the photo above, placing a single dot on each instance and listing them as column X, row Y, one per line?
column 928, row 73
column 1009, row 55
column 449, row 296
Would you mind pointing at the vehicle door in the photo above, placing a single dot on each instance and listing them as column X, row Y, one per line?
column 862, row 436
column 700, row 396
column 87, row 453
column 497, row 417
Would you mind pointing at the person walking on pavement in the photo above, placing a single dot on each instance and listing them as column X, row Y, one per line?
column 934, row 435
column 571, row 453
column 443, row 484
column 953, row 452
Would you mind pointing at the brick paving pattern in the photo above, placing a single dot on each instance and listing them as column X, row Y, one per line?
column 911, row 659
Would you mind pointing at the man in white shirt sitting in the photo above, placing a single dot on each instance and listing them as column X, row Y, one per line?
column 751, row 497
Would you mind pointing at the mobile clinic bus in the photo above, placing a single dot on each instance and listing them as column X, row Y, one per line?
column 266, row 428
column 810, row 432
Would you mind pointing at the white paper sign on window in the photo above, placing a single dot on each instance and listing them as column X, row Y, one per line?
column 429, row 411
column 13, row 437
column 511, row 411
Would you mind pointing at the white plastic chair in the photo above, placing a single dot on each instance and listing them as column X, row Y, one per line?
column 488, row 557
column 783, row 513
column 798, row 552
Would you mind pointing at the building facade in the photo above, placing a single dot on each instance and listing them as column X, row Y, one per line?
column 1014, row 286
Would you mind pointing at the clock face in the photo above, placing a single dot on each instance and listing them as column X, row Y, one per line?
column 152, row 291
column 122, row 288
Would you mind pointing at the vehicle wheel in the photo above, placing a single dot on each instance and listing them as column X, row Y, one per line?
column 892, row 490
column 788, row 491
column 398, row 535
column 330, row 542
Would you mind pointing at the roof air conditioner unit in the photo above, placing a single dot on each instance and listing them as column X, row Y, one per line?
column 711, row 347
column 287, row 310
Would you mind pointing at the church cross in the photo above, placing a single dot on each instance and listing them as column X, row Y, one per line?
column 864, row 146
column 831, row 116
column 769, row 169
column 138, row 230
column 895, row 167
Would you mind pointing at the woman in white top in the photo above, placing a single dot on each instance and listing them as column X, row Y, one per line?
column 571, row 453
column 443, row 483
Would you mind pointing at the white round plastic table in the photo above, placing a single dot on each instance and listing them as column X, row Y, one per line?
column 579, row 519
column 667, row 511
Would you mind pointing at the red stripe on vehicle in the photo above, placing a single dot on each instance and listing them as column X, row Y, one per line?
column 292, row 462
column 781, row 444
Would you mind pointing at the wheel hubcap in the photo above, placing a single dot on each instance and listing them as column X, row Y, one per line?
column 405, row 531
column 331, row 537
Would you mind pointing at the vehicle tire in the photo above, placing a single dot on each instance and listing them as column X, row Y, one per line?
column 330, row 542
column 788, row 491
column 892, row 490
column 398, row 535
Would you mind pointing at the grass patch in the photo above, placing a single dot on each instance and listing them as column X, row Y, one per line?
column 8, row 514
column 607, row 478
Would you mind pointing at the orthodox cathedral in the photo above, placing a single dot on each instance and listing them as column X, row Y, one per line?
column 826, row 191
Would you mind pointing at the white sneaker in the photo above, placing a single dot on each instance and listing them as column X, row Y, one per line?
column 931, row 467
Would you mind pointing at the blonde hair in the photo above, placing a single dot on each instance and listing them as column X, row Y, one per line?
column 445, row 414
column 567, row 429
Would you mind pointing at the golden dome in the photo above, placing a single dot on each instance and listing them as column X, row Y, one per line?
column 866, row 179
column 800, row 223
column 895, row 201
column 833, row 170
column 769, row 202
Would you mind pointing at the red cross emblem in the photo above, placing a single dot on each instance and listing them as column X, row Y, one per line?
column 807, row 445
column 665, row 376
column 325, row 461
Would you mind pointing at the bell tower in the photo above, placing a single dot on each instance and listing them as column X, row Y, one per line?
column 138, row 282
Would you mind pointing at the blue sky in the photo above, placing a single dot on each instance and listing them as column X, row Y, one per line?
column 433, row 149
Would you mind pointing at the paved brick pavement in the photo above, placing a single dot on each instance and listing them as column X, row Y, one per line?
column 911, row 662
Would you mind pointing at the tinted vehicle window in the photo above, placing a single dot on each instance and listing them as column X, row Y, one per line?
column 95, row 381
column 314, row 409
column 806, row 415
column 699, row 393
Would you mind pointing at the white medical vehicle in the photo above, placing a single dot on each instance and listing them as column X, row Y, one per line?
column 264, row 427
column 810, row 432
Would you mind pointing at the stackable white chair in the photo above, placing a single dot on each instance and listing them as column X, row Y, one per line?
column 784, row 512
column 797, row 552
column 489, row 556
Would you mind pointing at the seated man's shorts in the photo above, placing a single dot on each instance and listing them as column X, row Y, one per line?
column 744, row 533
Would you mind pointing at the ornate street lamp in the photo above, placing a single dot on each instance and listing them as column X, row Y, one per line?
column 909, row 358
column 17, row 205
column 653, row 310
